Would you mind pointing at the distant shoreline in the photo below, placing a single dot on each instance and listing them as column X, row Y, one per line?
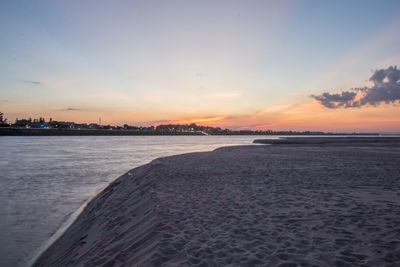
column 108, row 132
column 82, row 132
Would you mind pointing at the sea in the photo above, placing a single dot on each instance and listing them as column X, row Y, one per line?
column 46, row 180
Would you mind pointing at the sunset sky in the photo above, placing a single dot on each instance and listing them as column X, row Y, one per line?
column 234, row 64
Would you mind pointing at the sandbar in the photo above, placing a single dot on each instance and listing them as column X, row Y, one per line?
column 299, row 203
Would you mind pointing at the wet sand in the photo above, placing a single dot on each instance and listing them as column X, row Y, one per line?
column 305, row 203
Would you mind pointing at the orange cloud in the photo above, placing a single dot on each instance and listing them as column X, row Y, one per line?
column 199, row 120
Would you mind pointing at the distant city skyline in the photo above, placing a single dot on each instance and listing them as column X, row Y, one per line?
column 279, row 65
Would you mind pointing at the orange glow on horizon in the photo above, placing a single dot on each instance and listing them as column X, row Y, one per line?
column 312, row 116
column 309, row 115
column 199, row 120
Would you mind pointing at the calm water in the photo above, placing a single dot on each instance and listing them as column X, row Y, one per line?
column 43, row 180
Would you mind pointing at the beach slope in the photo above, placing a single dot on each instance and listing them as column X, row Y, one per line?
column 306, row 203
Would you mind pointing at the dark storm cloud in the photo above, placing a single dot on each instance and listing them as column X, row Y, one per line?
column 386, row 89
column 335, row 100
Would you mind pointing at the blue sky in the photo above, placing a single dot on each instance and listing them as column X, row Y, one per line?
column 145, row 61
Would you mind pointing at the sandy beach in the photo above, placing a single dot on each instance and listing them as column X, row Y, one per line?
column 292, row 203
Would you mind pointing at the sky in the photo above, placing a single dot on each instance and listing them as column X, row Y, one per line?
column 279, row 65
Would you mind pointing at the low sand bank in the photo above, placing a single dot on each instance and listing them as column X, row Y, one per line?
column 322, row 204
column 337, row 141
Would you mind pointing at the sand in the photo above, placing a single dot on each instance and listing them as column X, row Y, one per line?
column 295, row 204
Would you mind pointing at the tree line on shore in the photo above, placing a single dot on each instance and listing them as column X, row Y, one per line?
column 31, row 125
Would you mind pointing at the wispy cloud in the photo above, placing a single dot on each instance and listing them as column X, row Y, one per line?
column 72, row 109
column 32, row 82
column 385, row 89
